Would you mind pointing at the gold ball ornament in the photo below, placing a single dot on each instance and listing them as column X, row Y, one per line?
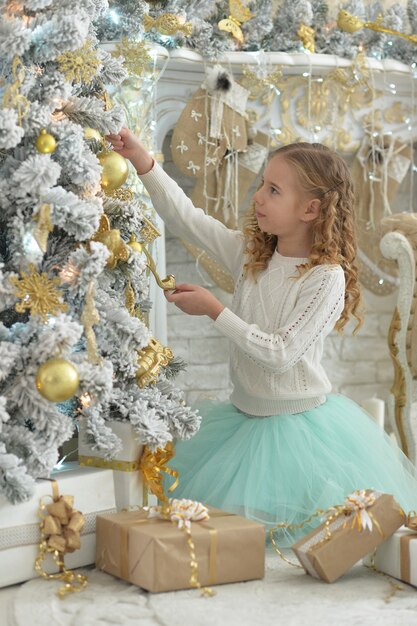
column 45, row 143
column 92, row 133
column 115, row 170
column 135, row 245
column 57, row 380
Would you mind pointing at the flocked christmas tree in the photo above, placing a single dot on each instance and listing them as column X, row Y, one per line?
column 73, row 272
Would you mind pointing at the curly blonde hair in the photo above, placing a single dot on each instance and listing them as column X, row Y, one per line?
column 323, row 174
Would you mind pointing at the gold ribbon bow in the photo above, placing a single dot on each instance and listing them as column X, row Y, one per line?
column 153, row 464
column 60, row 534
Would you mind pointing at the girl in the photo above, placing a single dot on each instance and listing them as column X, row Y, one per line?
column 283, row 446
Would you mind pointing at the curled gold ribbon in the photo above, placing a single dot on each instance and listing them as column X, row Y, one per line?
column 12, row 98
column 153, row 464
column 60, row 534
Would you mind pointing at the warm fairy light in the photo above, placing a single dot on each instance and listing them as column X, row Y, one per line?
column 85, row 400
column 69, row 273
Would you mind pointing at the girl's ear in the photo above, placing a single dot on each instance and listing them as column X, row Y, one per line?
column 312, row 210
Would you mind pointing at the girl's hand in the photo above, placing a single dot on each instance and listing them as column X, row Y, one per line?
column 195, row 300
column 129, row 146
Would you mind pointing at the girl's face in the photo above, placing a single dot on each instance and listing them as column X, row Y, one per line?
column 281, row 203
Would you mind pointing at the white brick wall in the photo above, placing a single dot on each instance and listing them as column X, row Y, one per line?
column 358, row 366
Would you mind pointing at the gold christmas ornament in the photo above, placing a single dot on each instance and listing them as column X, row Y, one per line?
column 150, row 360
column 135, row 245
column 115, row 170
column 12, row 98
column 38, row 293
column 89, row 317
column 149, row 232
column 168, row 24
column 238, row 15
column 57, row 380
column 306, row 34
column 79, row 66
column 92, row 133
column 136, row 56
column 43, row 227
column 123, row 194
column 350, row 24
column 45, row 143
column 111, row 238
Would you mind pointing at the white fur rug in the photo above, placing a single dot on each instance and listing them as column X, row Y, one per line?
column 286, row 596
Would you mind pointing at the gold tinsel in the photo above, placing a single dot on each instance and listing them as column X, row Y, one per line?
column 122, row 194
column 307, row 36
column 12, row 98
column 80, row 65
column 43, row 227
column 136, row 56
column 38, row 293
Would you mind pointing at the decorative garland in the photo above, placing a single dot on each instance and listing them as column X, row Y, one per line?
column 213, row 28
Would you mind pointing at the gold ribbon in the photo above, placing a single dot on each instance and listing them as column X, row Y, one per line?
column 60, row 534
column 153, row 464
column 114, row 464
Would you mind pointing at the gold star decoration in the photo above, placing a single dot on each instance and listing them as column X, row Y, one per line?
column 119, row 250
column 136, row 56
column 39, row 293
column 79, row 66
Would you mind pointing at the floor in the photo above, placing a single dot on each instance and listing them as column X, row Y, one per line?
column 286, row 596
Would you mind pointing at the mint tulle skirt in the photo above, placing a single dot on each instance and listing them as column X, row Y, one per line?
column 283, row 467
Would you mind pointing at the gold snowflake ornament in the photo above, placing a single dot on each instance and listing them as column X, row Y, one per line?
column 136, row 56
column 39, row 293
column 79, row 66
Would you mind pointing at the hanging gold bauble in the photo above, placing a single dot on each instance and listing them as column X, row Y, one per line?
column 111, row 238
column 57, row 380
column 92, row 133
column 135, row 245
column 45, row 143
column 115, row 170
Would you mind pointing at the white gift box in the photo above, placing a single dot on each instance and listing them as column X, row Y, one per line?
column 397, row 556
column 129, row 487
column 19, row 523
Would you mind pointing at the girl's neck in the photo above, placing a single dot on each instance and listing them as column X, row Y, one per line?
column 299, row 249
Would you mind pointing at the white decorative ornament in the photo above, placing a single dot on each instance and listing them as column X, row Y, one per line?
column 195, row 115
column 193, row 167
column 182, row 147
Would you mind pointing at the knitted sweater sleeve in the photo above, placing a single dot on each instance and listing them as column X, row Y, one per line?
column 319, row 305
column 184, row 220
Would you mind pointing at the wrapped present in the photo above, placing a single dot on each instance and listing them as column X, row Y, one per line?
column 397, row 556
column 351, row 530
column 19, row 523
column 154, row 554
column 129, row 487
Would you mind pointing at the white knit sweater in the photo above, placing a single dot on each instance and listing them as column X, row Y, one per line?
column 277, row 324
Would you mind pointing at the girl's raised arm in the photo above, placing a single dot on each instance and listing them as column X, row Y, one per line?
column 181, row 217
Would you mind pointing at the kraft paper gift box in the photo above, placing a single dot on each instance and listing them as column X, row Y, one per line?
column 19, row 523
column 329, row 556
column 397, row 556
column 154, row 554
